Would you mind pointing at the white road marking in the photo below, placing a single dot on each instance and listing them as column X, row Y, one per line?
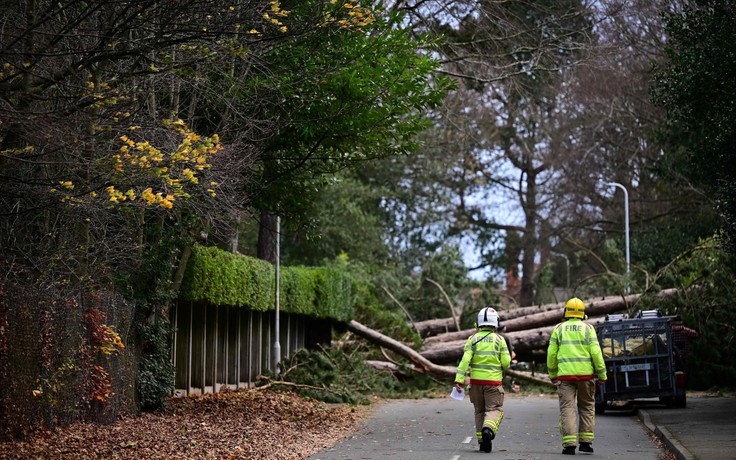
column 455, row 457
column 467, row 440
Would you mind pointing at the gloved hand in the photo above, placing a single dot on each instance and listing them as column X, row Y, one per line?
column 459, row 386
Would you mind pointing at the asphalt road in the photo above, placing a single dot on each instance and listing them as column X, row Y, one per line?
column 442, row 429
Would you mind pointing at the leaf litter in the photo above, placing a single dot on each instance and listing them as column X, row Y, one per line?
column 248, row 424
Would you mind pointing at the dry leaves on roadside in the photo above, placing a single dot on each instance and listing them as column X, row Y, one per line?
column 248, row 424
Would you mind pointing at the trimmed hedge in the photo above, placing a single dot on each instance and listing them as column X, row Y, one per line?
column 222, row 278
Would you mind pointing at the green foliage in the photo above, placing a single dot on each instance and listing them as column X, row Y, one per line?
column 443, row 274
column 612, row 278
column 701, row 109
column 334, row 294
column 657, row 243
column 468, row 318
column 346, row 218
column 373, row 307
column 482, row 294
column 544, row 284
column 156, row 372
column 298, row 285
column 339, row 376
column 705, row 275
column 222, row 278
column 341, row 96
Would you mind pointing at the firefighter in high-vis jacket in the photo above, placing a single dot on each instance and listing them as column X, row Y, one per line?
column 574, row 360
column 488, row 357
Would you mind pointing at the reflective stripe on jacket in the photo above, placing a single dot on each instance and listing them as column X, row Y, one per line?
column 574, row 352
column 487, row 355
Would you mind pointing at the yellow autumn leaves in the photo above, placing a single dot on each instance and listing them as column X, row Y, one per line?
column 169, row 176
column 349, row 15
column 110, row 340
column 175, row 171
column 357, row 16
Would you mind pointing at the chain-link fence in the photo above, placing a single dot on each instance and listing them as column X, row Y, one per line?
column 64, row 355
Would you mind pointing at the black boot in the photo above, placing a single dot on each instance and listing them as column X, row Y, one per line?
column 486, row 446
column 586, row 447
column 568, row 450
column 488, row 437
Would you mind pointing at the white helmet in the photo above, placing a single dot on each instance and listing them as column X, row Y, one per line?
column 487, row 317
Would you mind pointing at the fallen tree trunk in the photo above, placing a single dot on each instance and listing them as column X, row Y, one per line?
column 534, row 309
column 434, row 326
column 443, row 329
column 552, row 316
column 523, row 342
column 535, row 338
column 525, row 324
column 528, row 377
column 415, row 358
column 423, row 364
column 539, row 379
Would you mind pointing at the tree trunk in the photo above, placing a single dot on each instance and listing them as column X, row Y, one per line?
column 235, row 235
column 432, row 327
column 524, row 318
column 529, row 332
column 445, row 352
column 422, row 364
column 523, row 342
column 396, row 371
column 593, row 308
column 267, row 237
column 381, row 340
column 529, row 239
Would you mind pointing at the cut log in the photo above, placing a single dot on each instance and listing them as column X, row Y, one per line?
column 528, row 377
column 446, row 352
column 448, row 337
column 534, row 309
column 539, row 379
column 432, row 327
column 551, row 316
column 523, row 343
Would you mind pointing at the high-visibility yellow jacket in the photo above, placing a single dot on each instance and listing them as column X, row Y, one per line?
column 574, row 352
column 487, row 355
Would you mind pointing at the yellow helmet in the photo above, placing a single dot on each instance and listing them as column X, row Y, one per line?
column 575, row 308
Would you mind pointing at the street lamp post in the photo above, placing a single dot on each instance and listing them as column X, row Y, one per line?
column 626, row 228
column 277, row 325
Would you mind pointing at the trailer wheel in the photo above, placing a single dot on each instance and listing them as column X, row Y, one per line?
column 674, row 401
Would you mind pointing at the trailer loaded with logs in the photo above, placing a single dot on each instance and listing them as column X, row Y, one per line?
column 639, row 354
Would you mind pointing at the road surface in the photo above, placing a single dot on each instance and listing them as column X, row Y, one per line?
column 442, row 429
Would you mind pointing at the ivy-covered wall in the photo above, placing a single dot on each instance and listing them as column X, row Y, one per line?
column 222, row 278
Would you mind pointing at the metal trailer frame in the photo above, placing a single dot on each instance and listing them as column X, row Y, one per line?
column 640, row 361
